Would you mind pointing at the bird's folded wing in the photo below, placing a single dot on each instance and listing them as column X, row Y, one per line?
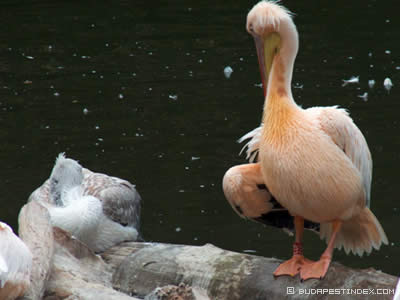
column 121, row 202
column 337, row 124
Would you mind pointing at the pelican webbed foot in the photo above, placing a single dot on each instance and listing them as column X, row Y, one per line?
column 293, row 266
column 316, row 269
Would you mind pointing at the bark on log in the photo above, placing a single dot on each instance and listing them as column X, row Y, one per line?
column 78, row 273
column 229, row 275
column 37, row 233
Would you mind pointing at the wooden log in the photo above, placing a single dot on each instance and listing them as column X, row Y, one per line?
column 64, row 268
column 77, row 273
column 37, row 233
column 229, row 275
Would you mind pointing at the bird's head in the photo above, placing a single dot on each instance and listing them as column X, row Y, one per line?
column 272, row 28
column 66, row 174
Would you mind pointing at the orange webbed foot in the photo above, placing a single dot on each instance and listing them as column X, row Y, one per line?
column 316, row 269
column 292, row 266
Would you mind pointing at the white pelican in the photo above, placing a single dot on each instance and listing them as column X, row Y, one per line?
column 15, row 264
column 97, row 209
column 315, row 162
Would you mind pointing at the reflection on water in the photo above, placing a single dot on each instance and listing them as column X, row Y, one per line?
column 139, row 92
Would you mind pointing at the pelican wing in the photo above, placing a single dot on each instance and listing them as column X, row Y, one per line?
column 338, row 125
column 277, row 215
column 121, row 202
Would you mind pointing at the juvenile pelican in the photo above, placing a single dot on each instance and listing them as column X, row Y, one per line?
column 97, row 209
column 15, row 264
column 315, row 162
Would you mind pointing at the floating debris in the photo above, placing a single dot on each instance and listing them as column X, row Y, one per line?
column 364, row 96
column 173, row 97
column 353, row 79
column 120, row 96
column 178, row 229
column 195, row 157
column 250, row 251
column 228, row 72
column 371, row 83
column 27, row 82
column 387, row 83
column 387, row 51
column 298, row 86
column 85, row 111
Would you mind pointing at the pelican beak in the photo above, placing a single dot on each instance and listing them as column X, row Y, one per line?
column 266, row 49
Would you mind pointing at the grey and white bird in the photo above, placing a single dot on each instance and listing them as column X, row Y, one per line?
column 99, row 210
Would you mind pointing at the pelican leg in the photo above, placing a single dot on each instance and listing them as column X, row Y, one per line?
column 319, row 268
column 292, row 266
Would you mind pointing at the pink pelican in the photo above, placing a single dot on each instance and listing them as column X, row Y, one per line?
column 315, row 162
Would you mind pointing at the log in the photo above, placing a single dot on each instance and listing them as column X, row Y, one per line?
column 229, row 275
column 77, row 273
column 65, row 268
column 35, row 230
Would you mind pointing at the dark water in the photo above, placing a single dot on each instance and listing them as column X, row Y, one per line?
column 162, row 114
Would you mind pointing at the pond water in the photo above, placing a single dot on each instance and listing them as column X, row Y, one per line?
column 138, row 91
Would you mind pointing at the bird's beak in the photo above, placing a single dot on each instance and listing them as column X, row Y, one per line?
column 266, row 49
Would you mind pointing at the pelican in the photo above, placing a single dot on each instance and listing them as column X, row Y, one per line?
column 315, row 162
column 15, row 264
column 97, row 209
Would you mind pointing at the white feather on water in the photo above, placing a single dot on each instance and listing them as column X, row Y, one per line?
column 387, row 83
column 364, row 96
column 353, row 79
column 228, row 72
column 371, row 83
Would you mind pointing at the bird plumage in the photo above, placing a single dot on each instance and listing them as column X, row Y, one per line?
column 15, row 264
column 98, row 209
column 315, row 162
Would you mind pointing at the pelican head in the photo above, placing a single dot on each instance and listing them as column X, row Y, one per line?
column 276, row 41
column 66, row 174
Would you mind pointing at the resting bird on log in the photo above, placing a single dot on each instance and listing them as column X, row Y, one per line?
column 97, row 209
column 15, row 264
column 315, row 162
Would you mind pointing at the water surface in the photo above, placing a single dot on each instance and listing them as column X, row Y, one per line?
column 138, row 91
